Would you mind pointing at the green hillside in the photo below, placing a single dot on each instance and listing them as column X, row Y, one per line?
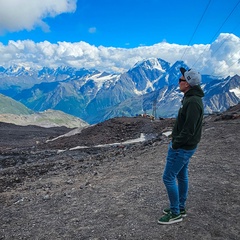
column 8, row 105
column 15, row 112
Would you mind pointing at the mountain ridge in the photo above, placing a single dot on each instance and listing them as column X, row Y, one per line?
column 97, row 96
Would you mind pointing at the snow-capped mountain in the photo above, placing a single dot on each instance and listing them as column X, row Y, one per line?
column 17, row 78
column 96, row 96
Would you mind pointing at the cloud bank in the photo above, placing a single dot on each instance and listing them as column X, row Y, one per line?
column 221, row 58
column 29, row 14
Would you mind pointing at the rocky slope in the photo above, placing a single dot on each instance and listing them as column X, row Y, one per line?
column 116, row 192
column 48, row 118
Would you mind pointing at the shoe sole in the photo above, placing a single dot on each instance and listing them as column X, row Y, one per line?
column 183, row 215
column 170, row 222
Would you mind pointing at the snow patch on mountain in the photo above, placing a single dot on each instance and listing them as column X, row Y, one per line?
column 150, row 64
column 101, row 78
column 236, row 91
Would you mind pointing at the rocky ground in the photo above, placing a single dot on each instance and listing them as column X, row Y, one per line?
column 116, row 192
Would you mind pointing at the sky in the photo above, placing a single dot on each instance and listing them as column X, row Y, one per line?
column 113, row 35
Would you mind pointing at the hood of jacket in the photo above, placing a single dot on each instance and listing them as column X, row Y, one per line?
column 194, row 91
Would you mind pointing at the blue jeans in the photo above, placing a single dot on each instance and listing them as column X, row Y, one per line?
column 176, row 171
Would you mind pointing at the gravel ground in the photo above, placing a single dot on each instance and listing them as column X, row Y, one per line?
column 116, row 192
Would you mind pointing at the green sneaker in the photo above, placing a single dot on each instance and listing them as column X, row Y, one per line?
column 183, row 212
column 170, row 218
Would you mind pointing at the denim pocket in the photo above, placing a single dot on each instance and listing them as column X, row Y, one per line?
column 170, row 147
column 186, row 154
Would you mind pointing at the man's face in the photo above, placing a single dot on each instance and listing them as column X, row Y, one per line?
column 183, row 84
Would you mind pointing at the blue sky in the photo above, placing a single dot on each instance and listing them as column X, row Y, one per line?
column 132, row 23
column 126, row 25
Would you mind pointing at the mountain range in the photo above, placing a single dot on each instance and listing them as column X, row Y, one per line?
column 150, row 86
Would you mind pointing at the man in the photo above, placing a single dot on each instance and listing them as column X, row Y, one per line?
column 186, row 135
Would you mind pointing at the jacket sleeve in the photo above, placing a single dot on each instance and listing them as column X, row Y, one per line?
column 192, row 118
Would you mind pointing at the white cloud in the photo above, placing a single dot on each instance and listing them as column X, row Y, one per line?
column 29, row 14
column 225, row 53
column 219, row 58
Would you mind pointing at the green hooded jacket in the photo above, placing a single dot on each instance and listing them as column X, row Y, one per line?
column 187, row 130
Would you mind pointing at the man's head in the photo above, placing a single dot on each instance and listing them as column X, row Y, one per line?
column 189, row 78
column 192, row 76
